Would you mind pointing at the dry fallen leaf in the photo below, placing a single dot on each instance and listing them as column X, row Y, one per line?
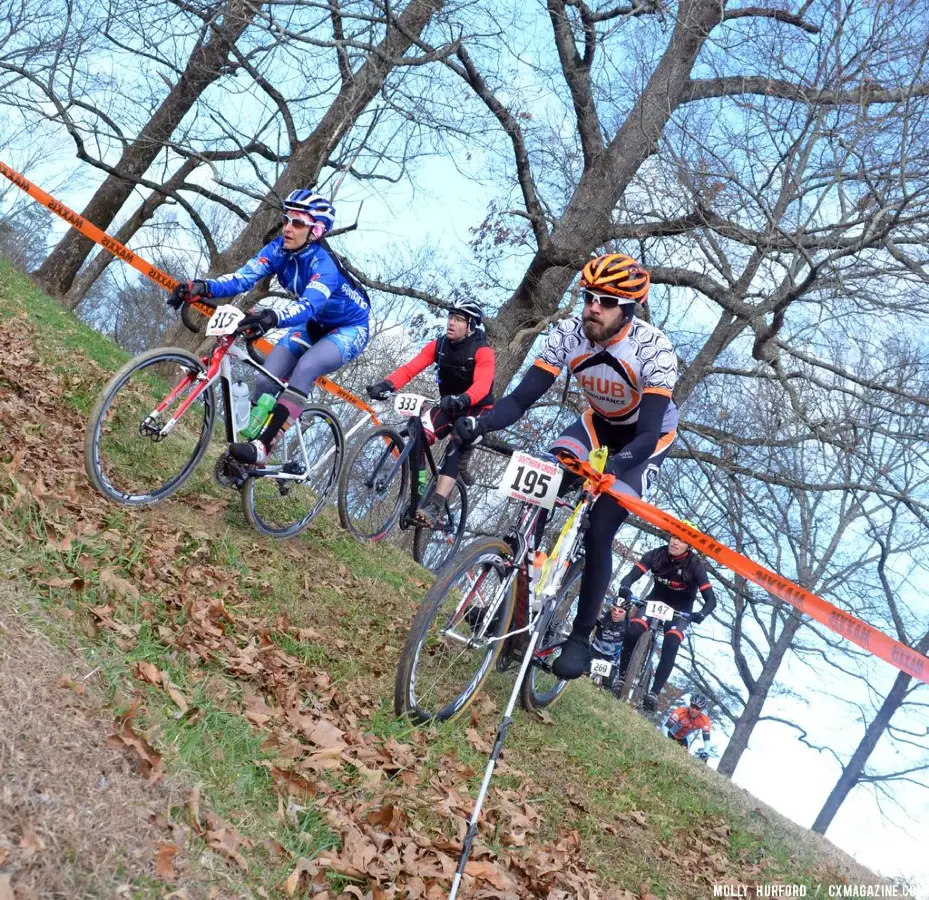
column 118, row 584
column 164, row 860
column 147, row 671
column 174, row 693
column 6, row 889
column 147, row 760
column 304, row 872
column 30, row 843
column 325, row 734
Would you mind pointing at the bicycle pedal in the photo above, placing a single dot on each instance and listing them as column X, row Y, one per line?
column 294, row 467
column 229, row 473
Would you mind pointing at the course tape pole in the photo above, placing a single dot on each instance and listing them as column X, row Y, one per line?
column 867, row 636
column 163, row 280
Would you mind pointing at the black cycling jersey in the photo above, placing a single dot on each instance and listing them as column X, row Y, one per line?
column 677, row 579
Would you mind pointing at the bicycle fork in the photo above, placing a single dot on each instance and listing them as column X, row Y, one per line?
column 502, row 729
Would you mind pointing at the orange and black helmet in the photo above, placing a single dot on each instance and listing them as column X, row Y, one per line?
column 617, row 274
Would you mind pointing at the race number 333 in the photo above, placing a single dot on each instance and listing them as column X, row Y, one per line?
column 531, row 480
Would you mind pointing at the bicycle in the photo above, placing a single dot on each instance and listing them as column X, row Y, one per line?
column 480, row 591
column 379, row 473
column 641, row 664
column 464, row 621
column 161, row 432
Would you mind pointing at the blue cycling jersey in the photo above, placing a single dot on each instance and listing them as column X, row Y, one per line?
column 322, row 294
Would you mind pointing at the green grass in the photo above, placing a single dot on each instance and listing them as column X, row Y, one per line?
column 594, row 770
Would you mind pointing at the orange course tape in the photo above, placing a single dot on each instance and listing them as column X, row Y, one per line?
column 906, row 659
column 88, row 229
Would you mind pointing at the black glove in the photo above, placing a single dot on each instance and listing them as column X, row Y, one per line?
column 452, row 404
column 696, row 618
column 259, row 321
column 380, row 391
column 624, row 592
column 469, row 430
column 185, row 291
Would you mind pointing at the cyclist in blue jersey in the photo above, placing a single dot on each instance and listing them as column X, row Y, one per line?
column 327, row 322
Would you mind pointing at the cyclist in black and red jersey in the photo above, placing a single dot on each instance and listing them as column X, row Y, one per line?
column 627, row 369
column 465, row 365
column 678, row 573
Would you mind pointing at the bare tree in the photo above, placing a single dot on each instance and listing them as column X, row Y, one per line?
column 902, row 695
column 796, row 502
column 220, row 25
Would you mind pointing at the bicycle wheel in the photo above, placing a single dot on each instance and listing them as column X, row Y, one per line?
column 448, row 653
column 282, row 508
column 642, row 684
column 631, row 686
column 126, row 456
column 540, row 687
column 370, row 493
column 433, row 547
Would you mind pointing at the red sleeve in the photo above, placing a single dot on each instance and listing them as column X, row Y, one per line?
column 485, row 366
column 405, row 374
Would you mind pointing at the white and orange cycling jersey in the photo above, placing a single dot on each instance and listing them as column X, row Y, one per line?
column 616, row 375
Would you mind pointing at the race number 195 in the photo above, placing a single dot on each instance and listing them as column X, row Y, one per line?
column 531, row 480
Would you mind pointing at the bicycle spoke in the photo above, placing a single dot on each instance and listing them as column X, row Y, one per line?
column 135, row 452
column 307, row 458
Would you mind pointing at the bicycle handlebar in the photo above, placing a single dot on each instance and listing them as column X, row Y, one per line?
column 203, row 306
column 206, row 308
column 496, row 445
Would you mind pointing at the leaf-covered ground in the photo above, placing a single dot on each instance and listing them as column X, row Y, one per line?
column 235, row 696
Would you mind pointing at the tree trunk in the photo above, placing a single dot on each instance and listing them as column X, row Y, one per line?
column 311, row 155
column 205, row 66
column 757, row 696
column 855, row 766
column 587, row 220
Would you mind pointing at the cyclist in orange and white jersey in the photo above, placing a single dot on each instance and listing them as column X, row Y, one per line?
column 627, row 369
column 685, row 720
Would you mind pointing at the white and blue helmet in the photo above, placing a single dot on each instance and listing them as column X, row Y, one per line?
column 315, row 205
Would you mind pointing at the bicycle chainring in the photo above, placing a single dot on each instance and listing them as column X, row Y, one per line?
column 229, row 473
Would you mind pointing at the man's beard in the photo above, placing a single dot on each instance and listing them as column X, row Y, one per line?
column 599, row 334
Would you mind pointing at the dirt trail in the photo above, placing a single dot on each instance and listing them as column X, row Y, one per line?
column 76, row 820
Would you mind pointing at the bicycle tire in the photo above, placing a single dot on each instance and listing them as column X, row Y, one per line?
column 496, row 555
column 393, row 443
column 641, row 688
column 631, row 684
column 94, row 463
column 426, row 547
column 531, row 696
column 259, row 519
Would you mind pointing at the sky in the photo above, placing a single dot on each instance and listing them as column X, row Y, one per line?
column 776, row 768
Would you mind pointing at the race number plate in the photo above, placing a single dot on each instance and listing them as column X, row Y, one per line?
column 657, row 610
column 224, row 321
column 531, row 480
column 601, row 667
column 409, row 405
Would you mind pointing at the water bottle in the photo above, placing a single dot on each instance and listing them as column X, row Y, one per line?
column 423, row 481
column 241, row 405
column 535, row 574
column 260, row 412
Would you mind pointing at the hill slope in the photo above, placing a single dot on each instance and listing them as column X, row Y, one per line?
column 254, row 679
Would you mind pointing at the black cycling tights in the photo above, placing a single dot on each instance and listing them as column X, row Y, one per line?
column 605, row 518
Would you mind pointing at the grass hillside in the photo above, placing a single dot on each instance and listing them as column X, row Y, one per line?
column 190, row 711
